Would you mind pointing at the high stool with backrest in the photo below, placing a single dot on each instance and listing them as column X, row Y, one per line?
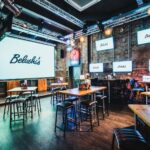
column 87, row 111
column 18, row 110
column 8, row 99
column 65, row 107
column 103, row 104
column 128, row 139
column 34, row 102
column 54, row 97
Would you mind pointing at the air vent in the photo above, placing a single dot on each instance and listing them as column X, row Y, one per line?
column 81, row 5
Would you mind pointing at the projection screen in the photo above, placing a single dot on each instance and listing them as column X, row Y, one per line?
column 21, row 59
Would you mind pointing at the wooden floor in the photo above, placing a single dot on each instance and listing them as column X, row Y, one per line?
column 38, row 133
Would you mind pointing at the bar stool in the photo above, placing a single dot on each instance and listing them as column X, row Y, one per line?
column 103, row 104
column 54, row 95
column 88, row 108
column 128, row 139
column 18, row 109
column 34, row 102
column 7, row 103
column 65, row 107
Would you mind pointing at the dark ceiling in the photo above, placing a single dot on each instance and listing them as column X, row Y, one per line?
column 103, row 10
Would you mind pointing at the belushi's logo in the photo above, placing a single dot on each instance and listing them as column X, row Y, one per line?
column 25, row 59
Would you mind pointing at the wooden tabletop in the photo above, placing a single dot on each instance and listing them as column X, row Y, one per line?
column 145, row 93
column 77, row 92
column 59, row 84
column 20, row 89
column 142, row 111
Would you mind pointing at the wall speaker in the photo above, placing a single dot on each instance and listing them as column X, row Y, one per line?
column 62, row 53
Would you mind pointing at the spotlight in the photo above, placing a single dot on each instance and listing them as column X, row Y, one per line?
column 82, row 39
column 108, row 31
column 101, row 26
column 148, row 11
column 1, row 4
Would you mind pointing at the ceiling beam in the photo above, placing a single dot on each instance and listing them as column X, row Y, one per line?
column 59, row 12
column 46, row 20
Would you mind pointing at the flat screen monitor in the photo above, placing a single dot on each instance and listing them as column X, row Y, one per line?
column 143, row 36
column 21, row 59
column 97, row 67
column 122, row 66
column 105, row 44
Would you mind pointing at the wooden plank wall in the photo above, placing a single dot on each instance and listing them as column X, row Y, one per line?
column 13, row 84
column 42, row 85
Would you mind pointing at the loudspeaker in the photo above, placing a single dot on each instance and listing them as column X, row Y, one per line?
column 62, row 53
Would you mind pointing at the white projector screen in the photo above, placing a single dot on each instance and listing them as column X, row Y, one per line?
column 122, row 66
column 21, row 59
column 98, row 67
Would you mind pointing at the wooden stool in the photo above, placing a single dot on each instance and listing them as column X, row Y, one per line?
column 102, row 103
column 88, row 108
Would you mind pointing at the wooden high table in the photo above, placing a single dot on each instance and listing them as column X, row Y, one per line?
column 79, row 93
column 31, row 90
column 147, row 94
column 142, row 119
column 58, row 84
column 20, row 89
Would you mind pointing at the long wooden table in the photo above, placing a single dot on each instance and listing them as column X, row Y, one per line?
column 58, row 84
column 77, row 92
column 142, row 111
column 20, row 89
column 142, row 119
column 147, row 94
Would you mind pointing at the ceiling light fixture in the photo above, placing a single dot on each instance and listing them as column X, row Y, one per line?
column 82, row 39
column 108, row 31
column 148, row 11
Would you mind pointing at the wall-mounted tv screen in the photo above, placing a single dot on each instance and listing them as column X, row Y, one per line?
column 105, row 44
column 122, row 66
column 143, row 36
column 21, row 59
column 97, row 67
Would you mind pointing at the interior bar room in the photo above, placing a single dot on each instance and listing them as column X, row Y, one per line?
column 74, row 75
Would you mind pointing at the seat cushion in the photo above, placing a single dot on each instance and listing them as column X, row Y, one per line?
column 130, row 139
column 65, row 104
column 71, row 98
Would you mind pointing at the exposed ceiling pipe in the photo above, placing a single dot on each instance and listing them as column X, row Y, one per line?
column 9, row 4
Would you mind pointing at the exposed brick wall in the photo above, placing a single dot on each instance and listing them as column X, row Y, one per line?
column 126, row 48
column 60, row 63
